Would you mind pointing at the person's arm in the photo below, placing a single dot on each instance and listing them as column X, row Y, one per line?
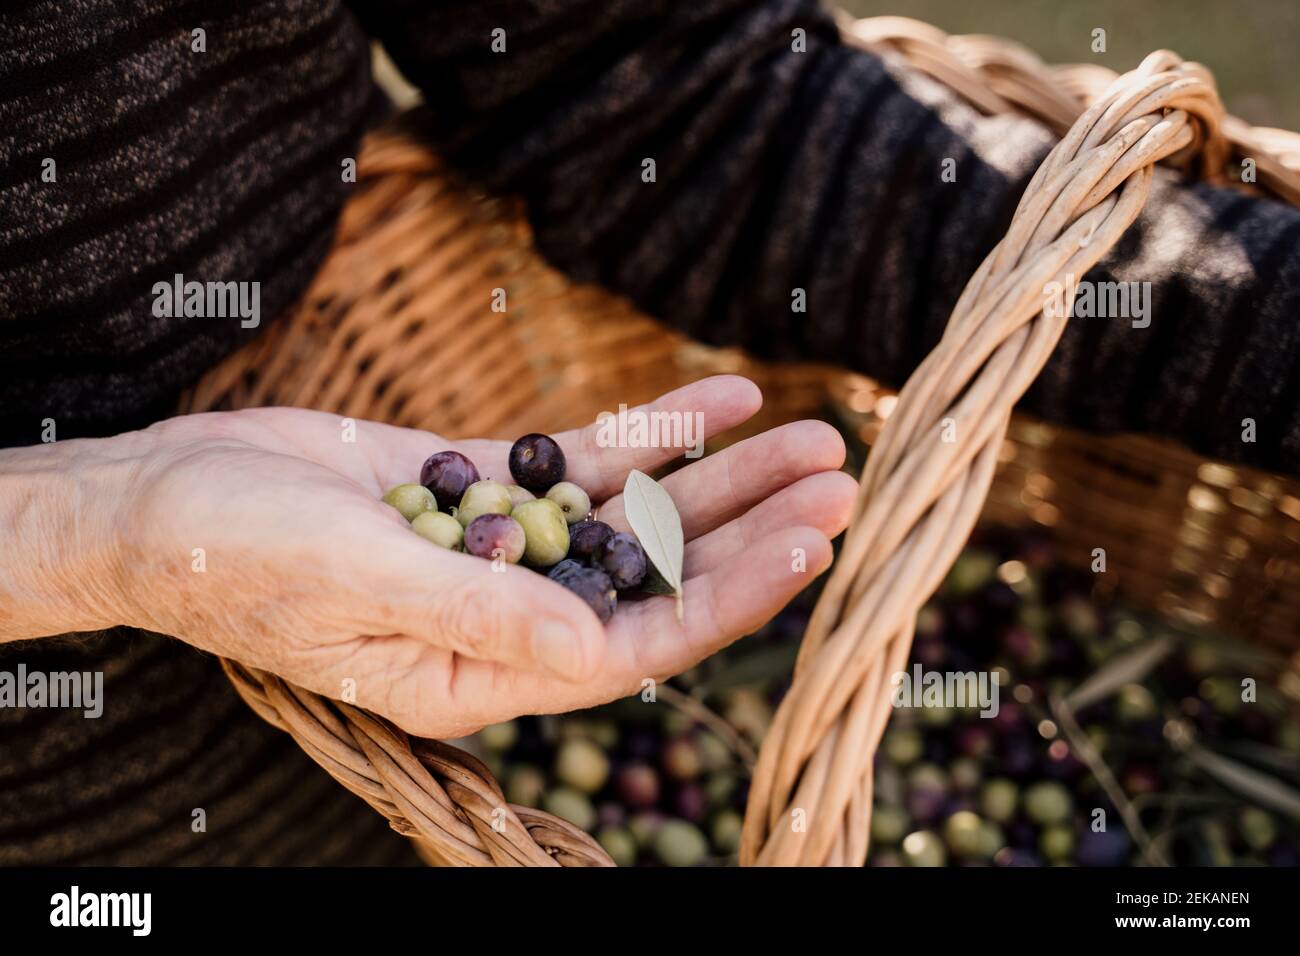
column 778, row 169
column 260, row 535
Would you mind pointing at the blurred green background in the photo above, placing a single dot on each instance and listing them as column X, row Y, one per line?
column 1252, row 47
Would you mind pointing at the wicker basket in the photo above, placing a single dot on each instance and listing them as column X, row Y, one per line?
column 418, row 254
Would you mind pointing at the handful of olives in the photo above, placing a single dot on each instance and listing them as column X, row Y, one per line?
column 554, row 534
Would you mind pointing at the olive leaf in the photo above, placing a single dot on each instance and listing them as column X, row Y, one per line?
column 1257, row 785
column 655, row 521
column 1126, row 668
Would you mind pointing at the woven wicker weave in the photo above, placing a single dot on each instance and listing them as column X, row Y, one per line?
column 418, row 254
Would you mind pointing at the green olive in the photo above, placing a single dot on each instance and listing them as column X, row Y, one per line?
column 889, row 825
column 484, row 497
column 582, row 765
column 411, row 500
column 546, row 534
column 519, row 495
column 726, row 831
column 1056, row 842
column 442, row 529
column 573, row 501
column 619, row 844
column 568, row 804
column 525, row 785
column 678, row 843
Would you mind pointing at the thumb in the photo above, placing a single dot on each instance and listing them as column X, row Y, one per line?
column 486, row 610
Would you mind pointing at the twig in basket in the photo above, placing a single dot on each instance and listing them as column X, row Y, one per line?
column 1090, row 755
column 694, row 708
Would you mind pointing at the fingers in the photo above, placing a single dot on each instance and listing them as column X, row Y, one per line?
column 489, row 611
column 710, row 492
column 384, row 455
column 823, row 501
column 600, row 457
column 727, row 602
column 645, row 639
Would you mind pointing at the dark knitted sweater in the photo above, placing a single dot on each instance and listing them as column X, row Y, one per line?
column 776, row 170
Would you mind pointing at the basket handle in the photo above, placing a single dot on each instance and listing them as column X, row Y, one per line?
column 929, row 472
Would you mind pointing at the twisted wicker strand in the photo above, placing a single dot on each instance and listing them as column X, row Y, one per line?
column 920, row 496
column 443, row 797
column 996, row 76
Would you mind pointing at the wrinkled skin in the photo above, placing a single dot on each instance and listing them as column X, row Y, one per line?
column 309, row 575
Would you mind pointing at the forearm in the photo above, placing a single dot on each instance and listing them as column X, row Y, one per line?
column 812, row 178
column 59, row 531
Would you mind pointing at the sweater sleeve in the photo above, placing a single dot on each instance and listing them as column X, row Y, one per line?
column 781, row 165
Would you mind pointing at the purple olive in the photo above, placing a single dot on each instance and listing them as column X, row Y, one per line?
column 447, row 474
column 586, row 537
column 638, row 785
column 495, row 536
column 536, row 462
column 623, row 560
column 593, row 586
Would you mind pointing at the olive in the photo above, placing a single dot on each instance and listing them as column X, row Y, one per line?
column 1056, row 842
column 519, row 495
column 442, row 529
column 679, row 843
column 619, row 843
column 965, row 773
column 1257, row 828
column 720, row 787
column 592, row 585
column 546, row 534
column 691, row 802
column 582, row 765
column 623, row 559
column 1109, row 847
column 611, row 814
column 889, row 825
column 573, row 501
column 998, row 800
column 725, row 831
column 495, row 536
column 525, row 785
column 569, row 804
column 714, row 753
column 604, row 732
column 499, row 736
column 536, row 462
column 411, row 500
column 903, row 745
column 681, row 759
column 1135, row 704
column 1048, row 802
column 483, row 498
column 970, row 572
column 923, row 848
column 447, row 474
column 586, row 537
column 971, row 838
column 638, row 785
column 644, row 826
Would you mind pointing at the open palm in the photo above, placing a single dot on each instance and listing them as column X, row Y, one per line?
column 259, row 535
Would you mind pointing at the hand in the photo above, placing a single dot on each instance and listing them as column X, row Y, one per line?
column 259, row 535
